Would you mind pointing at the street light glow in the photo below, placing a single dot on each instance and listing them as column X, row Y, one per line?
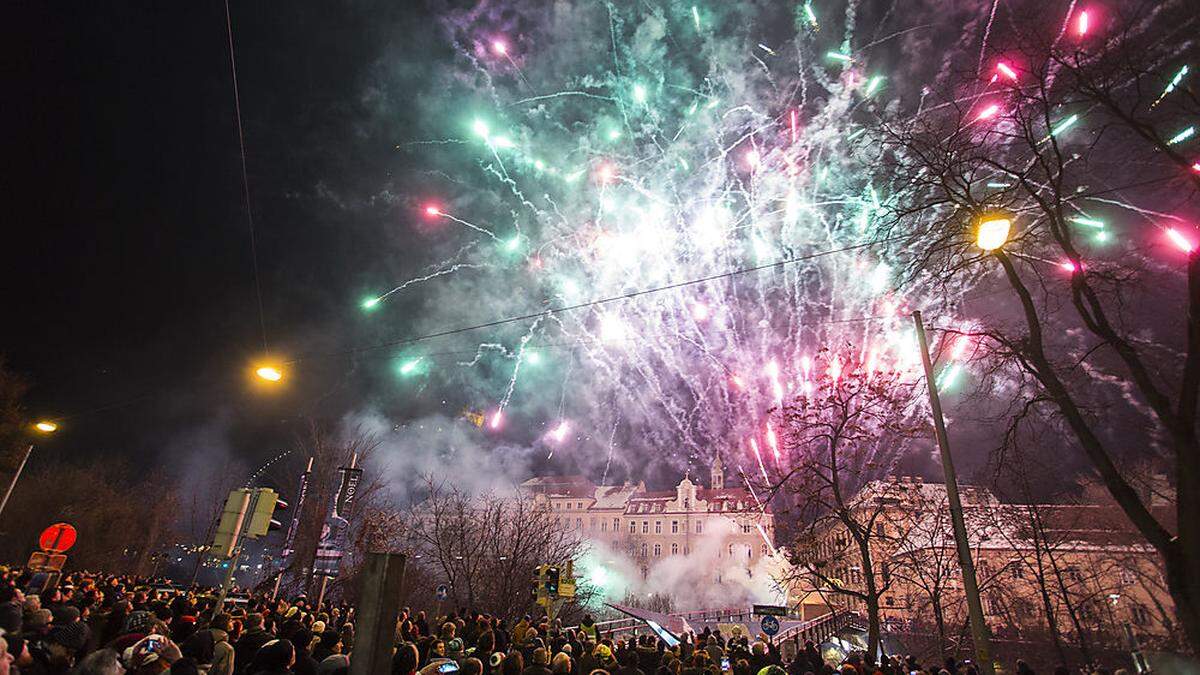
column 46, row 426
column 993, row 232
column 269, row 373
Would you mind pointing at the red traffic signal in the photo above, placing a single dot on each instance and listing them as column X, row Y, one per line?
column 280, row 505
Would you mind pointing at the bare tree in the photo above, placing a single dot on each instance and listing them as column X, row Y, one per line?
column 1083, row 125
column 329, row 451
column 484, row 548
column 844, row 430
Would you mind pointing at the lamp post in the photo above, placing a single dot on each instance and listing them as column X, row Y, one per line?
column 992, row 231
column 44, row 427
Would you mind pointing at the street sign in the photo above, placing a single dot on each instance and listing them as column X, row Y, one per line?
column 442, row 592
column 770, row 610
column 770, row 625
column 58, row 538
column 41, row 561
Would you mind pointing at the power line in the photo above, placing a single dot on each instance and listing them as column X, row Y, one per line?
column 591, row 303
column 549, row 312
column 237, row 106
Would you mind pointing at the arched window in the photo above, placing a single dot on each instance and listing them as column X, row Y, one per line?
column 674, row 549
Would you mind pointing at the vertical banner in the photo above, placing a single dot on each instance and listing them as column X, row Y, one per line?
column 335, row 534
column 290, row 540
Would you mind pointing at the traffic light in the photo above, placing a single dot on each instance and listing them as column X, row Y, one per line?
column 229, row 528
column 538, row 579
column 263, row 520
column 551, row 581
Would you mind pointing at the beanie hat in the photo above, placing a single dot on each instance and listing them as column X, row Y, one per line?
column 139, row 622
column 73, row 636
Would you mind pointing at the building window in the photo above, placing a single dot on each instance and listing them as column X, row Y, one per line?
column 616, row 524
column 558, row 506
column 632, row 527
column 749, row 551
column 731, row 550
column 687, row 551
column 579, row 523
column 643, row 550
column 745, row 529
column 658, row 527
column 604, row 526
column 674, row 549
column 890, row 601
column 616, row 544
column 699, row 527
column 764, row 550
column 579, row 505
column 645, row 527
column 1018, row 570
column 674, row 527
column 657, row 550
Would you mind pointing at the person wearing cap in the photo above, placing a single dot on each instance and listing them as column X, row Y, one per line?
column 274, row 658
column 538, row 662
column 55, row 653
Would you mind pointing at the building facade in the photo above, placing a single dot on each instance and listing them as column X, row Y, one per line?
column 1078, row 570
column 726, row 524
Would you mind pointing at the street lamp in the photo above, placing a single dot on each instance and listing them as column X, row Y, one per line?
column 269, row 373
column 44, row 427
column 993, row 230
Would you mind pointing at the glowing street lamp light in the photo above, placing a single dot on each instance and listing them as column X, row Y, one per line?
column 46, row 426
column 269, row 373
column 993, row 231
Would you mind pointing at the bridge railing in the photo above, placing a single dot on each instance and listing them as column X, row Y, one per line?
column 820, row 628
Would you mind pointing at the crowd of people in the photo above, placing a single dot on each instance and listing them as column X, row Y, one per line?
column 92, row 624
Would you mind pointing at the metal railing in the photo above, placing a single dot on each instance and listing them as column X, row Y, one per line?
column 820, row 628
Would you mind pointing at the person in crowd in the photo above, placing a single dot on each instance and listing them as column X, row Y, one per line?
column 99, row 662
column 538, row 663
column 405, row 660
column 276, row 657
column 247, row 646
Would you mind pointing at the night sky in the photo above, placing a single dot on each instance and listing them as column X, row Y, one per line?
column 127, row 267
column 132, row 306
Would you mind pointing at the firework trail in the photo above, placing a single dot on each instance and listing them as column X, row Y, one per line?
column 605, row 149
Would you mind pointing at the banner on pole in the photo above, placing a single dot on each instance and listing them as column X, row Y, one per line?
column 290, row 540
column 335, row 534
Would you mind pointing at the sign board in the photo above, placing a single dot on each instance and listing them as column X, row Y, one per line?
column 770, row 625
column 442, row 592
column 41, row 561
column 770, row 610
column 58, row 538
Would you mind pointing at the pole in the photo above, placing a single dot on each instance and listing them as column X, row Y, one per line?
column 243, row 523
column 13, row 483
column 378, row 609
column 979, row 629
column 321, row 593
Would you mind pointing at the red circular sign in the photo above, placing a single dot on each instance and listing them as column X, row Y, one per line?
column 57, row 538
